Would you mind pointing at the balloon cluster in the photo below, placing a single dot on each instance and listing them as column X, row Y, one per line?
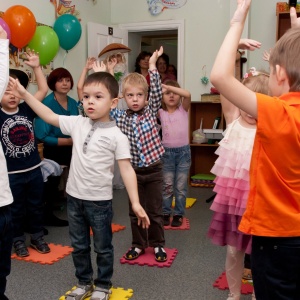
column 20, row 25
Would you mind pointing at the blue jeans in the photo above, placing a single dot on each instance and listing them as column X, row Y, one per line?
column 28, row 206
column 6, row 237
column 275, row 264
column 176, row 166
column 83, row 215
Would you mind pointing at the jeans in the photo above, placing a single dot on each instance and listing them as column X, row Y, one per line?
column 6, row 237
column 150, row 193
column 83, row 215
column 176, row 166
column 27, row 190
column 275, row 264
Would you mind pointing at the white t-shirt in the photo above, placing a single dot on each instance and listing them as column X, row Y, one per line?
column 5, row 194
column 91, row 173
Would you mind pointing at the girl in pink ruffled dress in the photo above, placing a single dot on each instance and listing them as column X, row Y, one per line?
column 232, row 183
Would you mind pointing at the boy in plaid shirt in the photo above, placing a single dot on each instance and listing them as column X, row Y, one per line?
column 139, row 124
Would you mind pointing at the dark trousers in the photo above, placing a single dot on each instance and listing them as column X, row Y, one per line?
column 6, row 237
column 27, row 190
column 150, row 180
column 275, row 266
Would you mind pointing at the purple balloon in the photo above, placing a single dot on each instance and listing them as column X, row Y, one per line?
column 5, row 27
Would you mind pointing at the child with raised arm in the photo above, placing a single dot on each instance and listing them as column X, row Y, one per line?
column 6, row 233
column 232, row 183
column 138, row 122
column 97, row 142
column 272, row 214
column 23, row 161
column 177, row 157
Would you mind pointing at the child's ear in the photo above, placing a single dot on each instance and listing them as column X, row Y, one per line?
column 281, row 75
column 114, row 103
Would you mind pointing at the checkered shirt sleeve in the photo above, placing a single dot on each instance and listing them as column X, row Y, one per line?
column 145, row 144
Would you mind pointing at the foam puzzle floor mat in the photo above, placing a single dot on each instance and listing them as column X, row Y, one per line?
column 222, row 284
column 117, row 294
column 114, row 227
column 184, row 226
column 188, row 204
column 148, row 258
column 57, row 252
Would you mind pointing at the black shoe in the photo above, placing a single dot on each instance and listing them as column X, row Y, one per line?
column 40, row 245
column 21, row 249
column 166, row 220
column 52, row 220
column 177, row 221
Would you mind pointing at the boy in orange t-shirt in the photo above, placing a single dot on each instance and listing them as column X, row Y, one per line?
column 273, row 211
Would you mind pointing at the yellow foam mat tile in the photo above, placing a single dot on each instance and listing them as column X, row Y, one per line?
column 189, row 202
column 117, row 294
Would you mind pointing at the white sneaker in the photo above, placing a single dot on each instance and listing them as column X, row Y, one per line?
column 100, row 294
column 81, row 292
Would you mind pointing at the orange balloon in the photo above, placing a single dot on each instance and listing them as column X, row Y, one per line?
column 22, row 25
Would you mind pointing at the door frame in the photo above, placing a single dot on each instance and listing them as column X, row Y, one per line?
column 163, row 25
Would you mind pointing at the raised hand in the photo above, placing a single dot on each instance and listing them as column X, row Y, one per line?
column 241, row 12
column 295, row 22
column 266, row 55
column 33, row 59
column 99, row 66
column 3, row 34
column 111, row 65
column 248, row 44
column 156, row 54
column 16, row 88
column 89, row 63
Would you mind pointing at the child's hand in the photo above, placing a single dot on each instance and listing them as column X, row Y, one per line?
column 33, row 59
column 99, row 66
column 16, row 88
column 164, row 88
column 3, row 34
column 89, row 63
column 295, row 22
column 247, row 44
column 266, row 55
column 111, row 65
column 156, row 54
column 141, row 215
column 241, row 12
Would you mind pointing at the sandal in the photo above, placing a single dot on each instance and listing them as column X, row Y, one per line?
column 133, row 254
column 160, row 254
column 247, row 274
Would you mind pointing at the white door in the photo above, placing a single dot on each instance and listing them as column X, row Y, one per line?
column 100, row 36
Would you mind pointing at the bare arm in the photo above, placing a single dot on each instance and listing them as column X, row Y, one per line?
column 295, row 22
column 230, row 111
column 4, row 61
column 39, row 108
column 156, row 54
column 221, row 76
column 248, row 44
column 186, row 95
column 129, row 179
column 88, row 66
column 33, row 61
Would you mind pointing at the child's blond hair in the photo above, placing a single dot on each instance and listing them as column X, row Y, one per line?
column 135, row 79
column 257, row 81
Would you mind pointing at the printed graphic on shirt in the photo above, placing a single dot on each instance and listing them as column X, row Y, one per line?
column 17, row 137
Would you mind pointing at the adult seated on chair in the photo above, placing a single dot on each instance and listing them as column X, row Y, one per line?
column 57, row 146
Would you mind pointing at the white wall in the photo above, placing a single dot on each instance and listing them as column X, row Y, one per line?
column 206, row 23
column 44, row 13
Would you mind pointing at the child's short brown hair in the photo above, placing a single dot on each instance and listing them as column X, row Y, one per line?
column 134, row 79
column 286, row 55
column 106, row 79
column 171, row 83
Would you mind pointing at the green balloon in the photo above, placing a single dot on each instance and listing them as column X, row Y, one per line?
column 45, row 42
